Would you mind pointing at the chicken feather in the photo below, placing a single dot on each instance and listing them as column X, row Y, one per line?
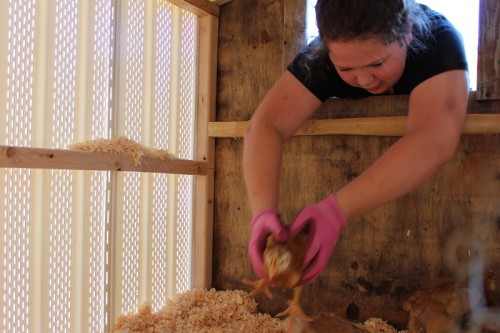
column 284, row 266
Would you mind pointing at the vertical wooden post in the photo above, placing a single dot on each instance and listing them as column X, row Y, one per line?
column 205, row 148
column 488, row 69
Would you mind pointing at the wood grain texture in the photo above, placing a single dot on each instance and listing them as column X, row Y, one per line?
column 250, row 55
column 387, row 254
column 382, row 257
column 488, row 75
column 203, row 216
column 41, row 158
column 378, row 115
column 294, row 29
column 376, row 126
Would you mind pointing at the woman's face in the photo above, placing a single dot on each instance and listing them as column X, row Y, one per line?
column 369, row 64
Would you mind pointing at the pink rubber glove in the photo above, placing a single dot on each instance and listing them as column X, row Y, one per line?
column 324, row 222
column 264, row 224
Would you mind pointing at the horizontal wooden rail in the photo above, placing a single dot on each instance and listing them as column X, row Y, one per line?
column 375, row 126
column 42, row 158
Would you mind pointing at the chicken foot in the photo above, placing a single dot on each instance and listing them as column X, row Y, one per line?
column 260, row 286
column 294, row 309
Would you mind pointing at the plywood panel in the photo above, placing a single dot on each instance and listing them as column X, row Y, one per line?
column 383, row 256
column 294, row 33
column 250, row 55
column 488, row 76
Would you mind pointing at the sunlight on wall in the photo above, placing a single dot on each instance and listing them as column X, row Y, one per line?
column 464, row 14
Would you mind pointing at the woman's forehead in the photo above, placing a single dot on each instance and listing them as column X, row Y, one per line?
column 359, row 53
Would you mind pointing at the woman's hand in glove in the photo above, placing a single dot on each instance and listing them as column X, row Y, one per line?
column 323, row 223
column 264, row 224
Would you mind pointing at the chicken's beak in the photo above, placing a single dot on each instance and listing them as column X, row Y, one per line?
column 272, row 271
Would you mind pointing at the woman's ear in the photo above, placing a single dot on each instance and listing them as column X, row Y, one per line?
column 408, row 38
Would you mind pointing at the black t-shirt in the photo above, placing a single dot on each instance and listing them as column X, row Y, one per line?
column 444, row 51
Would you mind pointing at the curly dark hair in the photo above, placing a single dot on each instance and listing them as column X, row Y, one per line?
column 341, row 20
column 386, row 20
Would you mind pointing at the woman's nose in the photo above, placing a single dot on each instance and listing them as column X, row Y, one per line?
column 364, row 79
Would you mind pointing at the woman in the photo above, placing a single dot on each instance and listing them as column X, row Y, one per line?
column 364, row 48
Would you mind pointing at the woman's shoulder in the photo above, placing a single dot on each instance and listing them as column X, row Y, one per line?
column 442, row 50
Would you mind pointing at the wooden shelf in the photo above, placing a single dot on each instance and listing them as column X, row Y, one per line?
column 375, row 126
column 42, row 158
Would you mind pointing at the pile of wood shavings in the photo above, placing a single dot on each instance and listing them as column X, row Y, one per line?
column 122, row 145
column 202, row 311
column 377, row 325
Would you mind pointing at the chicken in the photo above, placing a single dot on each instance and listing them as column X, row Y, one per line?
column 330, row 323
column 283, row 264
column 439, row 308
column 435, row 309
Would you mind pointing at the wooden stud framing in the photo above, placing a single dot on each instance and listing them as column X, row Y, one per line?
column 205, row 147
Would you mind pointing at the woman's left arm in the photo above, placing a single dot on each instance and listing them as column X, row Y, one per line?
column 436, row 115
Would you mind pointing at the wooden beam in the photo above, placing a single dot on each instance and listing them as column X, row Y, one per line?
column 203, row 218
column 198, row 7
column 220, row 2
column 375, row 126
column 42, row 158
column 488, row 67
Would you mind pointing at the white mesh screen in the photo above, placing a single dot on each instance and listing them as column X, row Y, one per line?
column 186, row 148
column 169, row 65
column 15, row 203
column 162, row 75
column 99, row 242
column 81, row 247
column 60, row 250
column 133, row 95
column 16, row 254
column 20, row 63
column 61, row 183
column 99, row 198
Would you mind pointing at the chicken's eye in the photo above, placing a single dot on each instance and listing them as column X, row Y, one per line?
column 284, row 260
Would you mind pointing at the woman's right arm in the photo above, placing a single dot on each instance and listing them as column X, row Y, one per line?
column 287, row 105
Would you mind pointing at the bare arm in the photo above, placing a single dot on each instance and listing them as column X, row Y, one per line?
column 436, row 115
column 284, row 109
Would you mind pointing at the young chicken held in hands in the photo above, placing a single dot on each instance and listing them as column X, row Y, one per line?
column 283, row 265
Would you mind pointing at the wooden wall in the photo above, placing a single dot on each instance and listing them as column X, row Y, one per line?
column 385, row 255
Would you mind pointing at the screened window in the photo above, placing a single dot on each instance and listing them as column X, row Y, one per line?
column 81, row 247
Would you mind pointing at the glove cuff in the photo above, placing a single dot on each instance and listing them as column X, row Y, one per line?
column 267, row 211
column 333, row 205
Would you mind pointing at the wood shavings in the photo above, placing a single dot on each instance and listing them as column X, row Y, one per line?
column 377, row 325
column 202, row 311
column 334, row 323
column 231, row 311
column 122, row 145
